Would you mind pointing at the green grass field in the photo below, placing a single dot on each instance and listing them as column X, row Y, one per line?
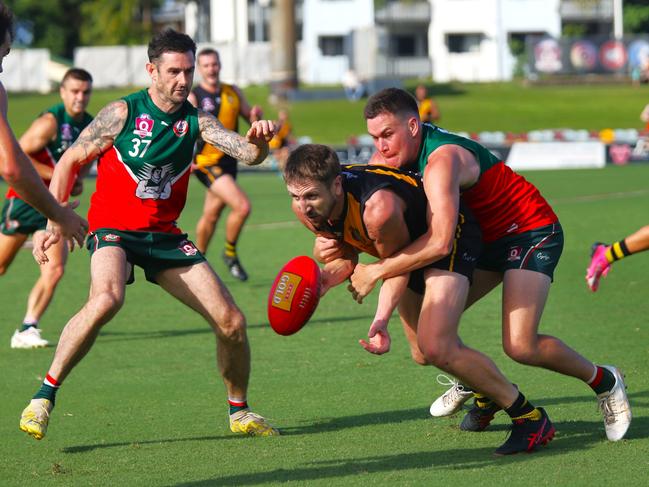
column 147, row 407
column 510, row 107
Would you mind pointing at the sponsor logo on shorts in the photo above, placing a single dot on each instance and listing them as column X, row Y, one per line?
column 514, row 254
column 285, row 291
column 111, row 237
column 143, row 125
column 466, row 257
column 512, row 228
column 188, row 248
column 543, row 256
column 181, row 127
column 10, row 224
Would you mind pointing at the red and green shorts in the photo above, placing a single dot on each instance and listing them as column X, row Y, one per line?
column 152, row 251
column 19, row 217
column 536, row 250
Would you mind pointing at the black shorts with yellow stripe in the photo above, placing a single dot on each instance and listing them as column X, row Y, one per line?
column 467, row 246
column 207, row 174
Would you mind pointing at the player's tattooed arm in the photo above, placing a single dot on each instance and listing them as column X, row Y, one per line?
column 92, row 142
column 100, row 134
column 251, row 150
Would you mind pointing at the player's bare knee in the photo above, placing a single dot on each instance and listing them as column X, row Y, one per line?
column 435, row 354
column 418, row 357
column 232, row 327
column 521, row 352
column 245, row 208
column 54, row 275
column 107, row 303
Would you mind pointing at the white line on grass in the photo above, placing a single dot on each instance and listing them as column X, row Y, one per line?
column 601, row 196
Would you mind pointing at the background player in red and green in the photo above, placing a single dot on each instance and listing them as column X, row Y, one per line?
column 145, row 143
column 523, row 242
column 45, row 141
column 217, row 170
column 16, row 168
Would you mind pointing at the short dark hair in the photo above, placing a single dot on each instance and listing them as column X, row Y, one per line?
column 312, row 162
column 390, row 100
column 77, row 73
column 208, row 51
column 6, row 22
column 169, row 40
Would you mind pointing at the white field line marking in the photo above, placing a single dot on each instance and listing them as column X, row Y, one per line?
column 601, row 196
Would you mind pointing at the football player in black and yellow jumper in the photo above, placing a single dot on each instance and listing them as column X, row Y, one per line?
column 216, row 170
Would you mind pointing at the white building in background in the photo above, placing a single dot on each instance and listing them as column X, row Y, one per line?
column 443, row 40
column 469, row 39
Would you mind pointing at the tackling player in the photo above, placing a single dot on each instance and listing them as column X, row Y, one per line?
column 145, row 143
column 217, row 170
column 523, row 241
column 379, row 210
column 48, row 137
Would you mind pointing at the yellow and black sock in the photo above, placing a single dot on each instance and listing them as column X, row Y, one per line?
column 482, row 401
column 230, row 249
column 523, row 409
column 617, row 251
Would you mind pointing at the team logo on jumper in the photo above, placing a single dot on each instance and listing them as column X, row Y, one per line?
column 111, row 237
column 514, row 254
column 188, row 248
column 143, row 125
column 207, row 105
column 154, row 182
column 66, row 132
column 181, row 127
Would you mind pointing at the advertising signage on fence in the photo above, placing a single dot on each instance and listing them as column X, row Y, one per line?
column 588, row 55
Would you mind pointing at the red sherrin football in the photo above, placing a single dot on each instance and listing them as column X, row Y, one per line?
column 294, row 295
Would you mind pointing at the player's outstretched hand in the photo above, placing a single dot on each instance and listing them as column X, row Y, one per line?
column 260, row 132
column 379, row 338
column 363, row 281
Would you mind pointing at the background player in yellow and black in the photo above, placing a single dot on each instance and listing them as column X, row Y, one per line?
column 216, row 170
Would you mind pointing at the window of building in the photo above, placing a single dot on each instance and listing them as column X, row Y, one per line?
column 404, row 45
column 331, row 45
column 460, row 43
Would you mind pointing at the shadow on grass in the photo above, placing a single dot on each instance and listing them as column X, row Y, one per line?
column 571, row 436
column 135, row 444
column 114, row 336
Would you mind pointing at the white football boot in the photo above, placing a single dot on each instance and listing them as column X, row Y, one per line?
column 30, row 338
column 452, row 400
column 615, row 407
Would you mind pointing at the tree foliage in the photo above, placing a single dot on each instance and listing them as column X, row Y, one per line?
column 636, row 17
column 53, row 23
column 111, row 22
column 62, row 25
